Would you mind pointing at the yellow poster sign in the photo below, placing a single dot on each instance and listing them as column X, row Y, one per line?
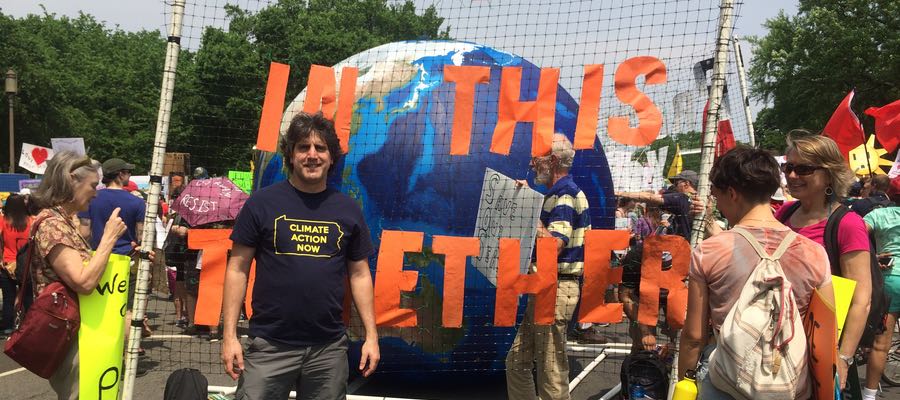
column 101, row 338
column 843, row 293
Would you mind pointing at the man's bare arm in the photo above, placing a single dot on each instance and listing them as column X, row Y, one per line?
column 363, row 296
column 236, row 275
column 645, row 197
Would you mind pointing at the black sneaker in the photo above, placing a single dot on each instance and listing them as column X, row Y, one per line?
column 214, row 337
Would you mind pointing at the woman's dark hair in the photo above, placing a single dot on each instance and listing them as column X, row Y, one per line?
column 751, row 172
column 302, row 126
column 16, row 212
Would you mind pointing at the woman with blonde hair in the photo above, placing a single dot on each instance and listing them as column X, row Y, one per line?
column 818, row 177
column 61, row 253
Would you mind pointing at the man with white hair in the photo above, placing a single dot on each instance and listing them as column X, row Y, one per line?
column 564, row 217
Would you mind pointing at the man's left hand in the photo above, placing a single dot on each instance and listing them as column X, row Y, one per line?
column 368, row 361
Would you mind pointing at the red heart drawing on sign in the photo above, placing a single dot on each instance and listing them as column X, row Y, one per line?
column 39, row 155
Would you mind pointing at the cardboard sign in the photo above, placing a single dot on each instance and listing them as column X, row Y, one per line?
column 821, row 335
column 34, row 158
column 101, row 336
column 75, row 145
column 843, row 294
column 242, row 179
column 505, row 211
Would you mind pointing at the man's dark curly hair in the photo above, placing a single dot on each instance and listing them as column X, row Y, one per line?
column 302, row 126
column 753, row 173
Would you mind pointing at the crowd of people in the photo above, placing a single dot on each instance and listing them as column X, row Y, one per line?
column 805, row 221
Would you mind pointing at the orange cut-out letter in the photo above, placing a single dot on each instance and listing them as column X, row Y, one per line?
column 215, row 245
column 588, row 112
column 455, row 251
column 649, row 116
column 248, row 297
column 598, row 245
column 391, row 279
column 321, row 93
column 273, row 107
column 465, row 77
column 653, row 278
column 511, row 283
column 541, row 112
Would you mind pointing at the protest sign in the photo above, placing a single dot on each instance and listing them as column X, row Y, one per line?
column 843, row 293
column 34, row 158
column 30, row 184
column 508, row 211
column 102, row 333
column 821, row 336
column 242, row 179
column 75, row 145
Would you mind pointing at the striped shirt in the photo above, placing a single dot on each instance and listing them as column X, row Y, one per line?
column 565, row 214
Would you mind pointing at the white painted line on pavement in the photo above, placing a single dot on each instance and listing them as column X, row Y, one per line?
column 12, row 372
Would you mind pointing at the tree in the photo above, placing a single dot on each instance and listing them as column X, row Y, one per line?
column 806, row 64
column 230, row 68
column 78, row 78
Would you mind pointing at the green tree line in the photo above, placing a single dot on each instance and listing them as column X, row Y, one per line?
column 807, row 63
column 80, row 78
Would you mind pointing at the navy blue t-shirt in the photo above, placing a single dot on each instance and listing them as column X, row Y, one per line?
column 679, row 205
column 303, row 243
column 132, row 213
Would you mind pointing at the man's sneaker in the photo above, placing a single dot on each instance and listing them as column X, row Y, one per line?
column 590, row 336
column 181, row 323
column 214, row 337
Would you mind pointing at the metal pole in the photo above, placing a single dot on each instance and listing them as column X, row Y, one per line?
column 12, row 140
column 742, row 79
column 707, row 151
column 156, row 168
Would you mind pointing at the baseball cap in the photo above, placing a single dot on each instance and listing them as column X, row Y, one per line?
column 114, row 165
column 686, row 175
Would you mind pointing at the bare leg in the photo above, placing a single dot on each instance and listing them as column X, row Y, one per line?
column 878, row 355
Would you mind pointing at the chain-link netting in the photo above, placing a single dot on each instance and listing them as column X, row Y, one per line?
column 434, row 148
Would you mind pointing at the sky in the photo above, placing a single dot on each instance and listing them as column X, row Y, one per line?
column 581, row 21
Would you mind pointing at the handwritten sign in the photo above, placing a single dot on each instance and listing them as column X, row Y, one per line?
column 242, row 179
column 505, row 211
column 821, row 335
column 34, row 158
column 103, row 332
column 75, row 145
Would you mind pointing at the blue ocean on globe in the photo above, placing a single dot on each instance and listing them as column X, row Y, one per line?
column 400, row 170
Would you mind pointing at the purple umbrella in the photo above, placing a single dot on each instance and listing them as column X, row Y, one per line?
column 210, row 200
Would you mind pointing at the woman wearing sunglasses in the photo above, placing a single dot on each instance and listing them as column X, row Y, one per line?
column 818, row 177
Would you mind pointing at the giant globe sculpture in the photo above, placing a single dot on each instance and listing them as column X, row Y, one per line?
column 400, row 170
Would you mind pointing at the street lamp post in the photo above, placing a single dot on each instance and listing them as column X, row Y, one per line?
column 12, row 88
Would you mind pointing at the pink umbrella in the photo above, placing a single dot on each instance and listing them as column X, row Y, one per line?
column 210, row 200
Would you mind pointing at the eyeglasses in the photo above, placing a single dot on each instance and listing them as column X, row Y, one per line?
column 800, row 169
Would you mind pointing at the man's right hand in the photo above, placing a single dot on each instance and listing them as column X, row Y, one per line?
column 115, row 227
column 232, row 357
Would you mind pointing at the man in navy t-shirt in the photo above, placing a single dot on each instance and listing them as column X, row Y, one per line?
column 307, row 239
column 116, row 173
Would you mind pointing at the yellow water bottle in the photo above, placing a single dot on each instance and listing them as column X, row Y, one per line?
column 686, row 389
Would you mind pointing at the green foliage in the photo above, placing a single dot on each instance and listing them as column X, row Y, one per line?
column 806, row 64
column 686, row 141
column 78, row 78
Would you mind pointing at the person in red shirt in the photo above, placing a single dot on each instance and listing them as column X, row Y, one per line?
column 13, row 235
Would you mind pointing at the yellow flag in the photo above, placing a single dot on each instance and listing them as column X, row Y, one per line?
column 101, row 337
column 675, row 168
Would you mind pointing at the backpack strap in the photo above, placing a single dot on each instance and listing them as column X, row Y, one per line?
column 788, row 239
column 789, row 210
column 831, row 238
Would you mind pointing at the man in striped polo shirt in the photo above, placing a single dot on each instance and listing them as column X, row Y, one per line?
column 564, row 217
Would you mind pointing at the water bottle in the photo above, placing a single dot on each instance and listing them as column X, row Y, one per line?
column 686, row 389
column 636, row 392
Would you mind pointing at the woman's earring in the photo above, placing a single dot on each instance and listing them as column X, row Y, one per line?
column 829, row 193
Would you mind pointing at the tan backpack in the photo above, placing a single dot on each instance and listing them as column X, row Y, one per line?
column 761, row 347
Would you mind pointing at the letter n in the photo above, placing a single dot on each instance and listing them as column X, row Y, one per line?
column 321, row 92
column 511, row 283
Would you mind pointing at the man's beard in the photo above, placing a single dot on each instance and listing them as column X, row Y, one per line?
column 542, row 178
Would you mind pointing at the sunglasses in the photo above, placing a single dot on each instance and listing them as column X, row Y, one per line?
column 800, row 169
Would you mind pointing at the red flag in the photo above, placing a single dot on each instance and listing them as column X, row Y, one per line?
column 887, row 125
column 844, row 128
column 724, row 133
